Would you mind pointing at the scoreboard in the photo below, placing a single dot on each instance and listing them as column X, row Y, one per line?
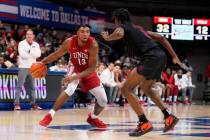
column 182, row 28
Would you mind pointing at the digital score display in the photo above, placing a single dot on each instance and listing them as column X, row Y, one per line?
column 182, row 28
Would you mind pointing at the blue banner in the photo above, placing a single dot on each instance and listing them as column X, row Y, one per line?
column 49, row 14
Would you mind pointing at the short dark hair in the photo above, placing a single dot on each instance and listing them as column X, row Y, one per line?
column 122, row 15
column 83, row 25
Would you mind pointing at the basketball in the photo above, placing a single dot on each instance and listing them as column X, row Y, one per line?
column 38, row 70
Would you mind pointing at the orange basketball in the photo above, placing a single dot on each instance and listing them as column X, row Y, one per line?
column 38, row 70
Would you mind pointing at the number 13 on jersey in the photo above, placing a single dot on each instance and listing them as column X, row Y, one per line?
column 81, row 61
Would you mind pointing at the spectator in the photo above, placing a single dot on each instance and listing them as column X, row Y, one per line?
column 207, row 73
column 37, row 30
column 60, row 66
column 159, row 88
column 14, row 32
column 103, row 56
column 107, row 79
column 22, row 34
column 180, row 82
column 3, row 45
column 28, row 50
column 118, row 80
column 2, row 64
column 47, row 35
column 188, row 67
column 121, row 77
column 190, row 86
column 11, row 50
column 100, row 68
column 2, row 30
column 40, row 39
column 170, row 88
column 55, row 39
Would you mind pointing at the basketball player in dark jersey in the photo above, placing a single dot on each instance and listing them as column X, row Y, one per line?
column 141, row 45
column 83, row 50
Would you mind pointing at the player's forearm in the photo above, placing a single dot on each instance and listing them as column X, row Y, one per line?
column 168, row 46
column 113, row 36
column 52, row 57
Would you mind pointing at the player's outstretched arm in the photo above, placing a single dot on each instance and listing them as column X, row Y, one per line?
column 116, row 35
column 57, row 54
column 164, row 42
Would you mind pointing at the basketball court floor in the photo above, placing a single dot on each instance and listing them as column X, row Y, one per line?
column 70, row 124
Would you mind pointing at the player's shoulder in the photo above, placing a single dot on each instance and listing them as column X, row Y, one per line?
column 68, row 40
column 93, row 42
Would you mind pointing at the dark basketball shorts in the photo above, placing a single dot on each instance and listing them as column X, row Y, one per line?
column 151, row 67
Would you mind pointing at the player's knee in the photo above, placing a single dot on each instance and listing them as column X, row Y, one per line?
column 102, row 102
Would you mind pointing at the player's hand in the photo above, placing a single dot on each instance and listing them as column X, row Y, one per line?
column 177, row 61
column 105, row 35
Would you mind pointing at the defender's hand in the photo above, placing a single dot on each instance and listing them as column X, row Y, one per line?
column 105, row 35
column 177, row 61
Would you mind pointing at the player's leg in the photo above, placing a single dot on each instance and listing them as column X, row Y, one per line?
column 132, row 81
column 170, row 120
column 62, row 98
column 100, row 95
column 146, row 87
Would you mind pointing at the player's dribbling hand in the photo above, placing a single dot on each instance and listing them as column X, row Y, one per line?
column 105, row 35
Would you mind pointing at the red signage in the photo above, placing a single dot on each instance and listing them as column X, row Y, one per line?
column 163, row 19
column 205, row 22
